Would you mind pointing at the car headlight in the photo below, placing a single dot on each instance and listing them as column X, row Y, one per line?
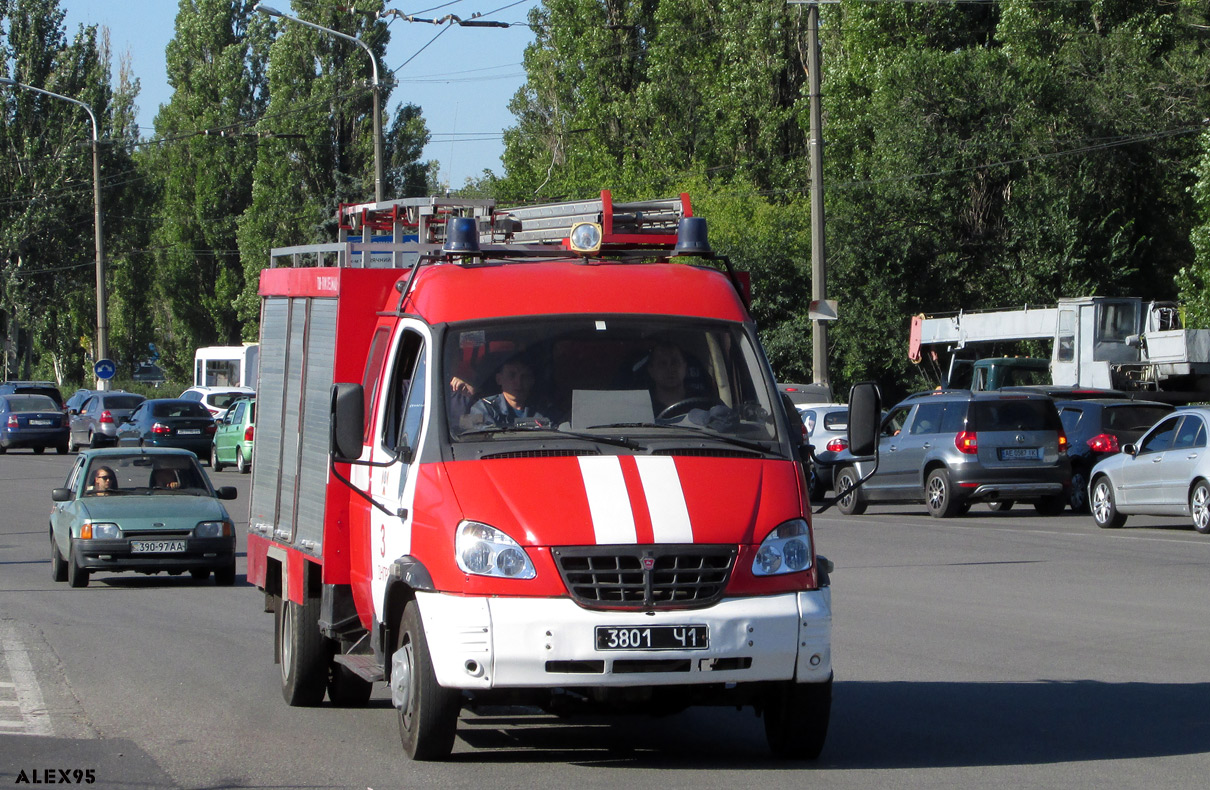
column 100, row 530
column 786, row 549
column 486, row 551
column 214, row 529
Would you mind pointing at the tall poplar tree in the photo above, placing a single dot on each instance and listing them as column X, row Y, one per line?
column 47, row 250
column 203, row 165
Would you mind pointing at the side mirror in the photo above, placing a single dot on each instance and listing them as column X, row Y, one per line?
column 348, row 421
column 865, row 416
column 61, row 495
column 226, row 492
column 73, row 412
column 1130, row 450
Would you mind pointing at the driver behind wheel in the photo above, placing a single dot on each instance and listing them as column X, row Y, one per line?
column 669, row 383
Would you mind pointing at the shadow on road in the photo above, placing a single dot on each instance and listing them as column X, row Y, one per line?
column 883, row 725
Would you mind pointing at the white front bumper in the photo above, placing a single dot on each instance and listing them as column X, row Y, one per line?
column 483, row 643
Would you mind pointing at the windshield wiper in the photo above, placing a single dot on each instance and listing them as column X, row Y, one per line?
column 617, row 441
column 712, row 434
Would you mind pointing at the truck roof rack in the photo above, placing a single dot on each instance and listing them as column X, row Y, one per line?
column 399, row 233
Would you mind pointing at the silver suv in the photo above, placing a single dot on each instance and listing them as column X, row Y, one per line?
column 951, row 448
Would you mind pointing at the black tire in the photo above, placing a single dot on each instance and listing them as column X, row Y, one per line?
column 93, row 441
column 347, row 689
column 39, row 449
column 428, row 715
column 61, row 449
column 241, row 464
column 796, row 719
column 1078, row 497
column 200, row 574
column 1104, row 507
column 1001, row 505
column 939, row 495
column 1051, row 505
column 854, row 504
column 1199, row 507
column 301, row 653
column 76, row 576
column 215, row 464
column 3, row 449
column 58, row 565
column 225, row 577
column 71, row 444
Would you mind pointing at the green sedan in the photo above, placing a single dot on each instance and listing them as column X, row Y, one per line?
column 140, row 509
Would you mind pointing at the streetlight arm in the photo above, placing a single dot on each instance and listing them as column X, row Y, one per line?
column 270, row 11
column 378, row 174
column 77, row 102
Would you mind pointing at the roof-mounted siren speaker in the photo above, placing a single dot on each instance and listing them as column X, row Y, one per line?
column 461, row 236
column 691, row 237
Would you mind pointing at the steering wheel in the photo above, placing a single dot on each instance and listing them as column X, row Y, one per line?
column 683, row 406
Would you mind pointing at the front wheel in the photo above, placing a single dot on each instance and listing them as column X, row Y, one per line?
column 853, row 504
column 796, row 719
column 304, row 662
column 939, row 495
column 76, row 576
column 58, row 565
column 225, row 576
column 1104, row 508
column 1199, row 507
column 215, row 464
column 428, row 713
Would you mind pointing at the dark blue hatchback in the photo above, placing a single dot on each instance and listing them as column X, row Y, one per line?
column 169, row 422
column 34, row 421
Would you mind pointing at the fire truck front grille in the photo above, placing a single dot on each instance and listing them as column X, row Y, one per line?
column 645, row 577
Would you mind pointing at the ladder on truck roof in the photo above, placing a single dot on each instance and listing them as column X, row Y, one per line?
column 416, row 227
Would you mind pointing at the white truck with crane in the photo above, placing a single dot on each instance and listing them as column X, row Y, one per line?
column 1121, row 343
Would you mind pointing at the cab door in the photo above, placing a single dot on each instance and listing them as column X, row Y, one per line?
column 399, row 428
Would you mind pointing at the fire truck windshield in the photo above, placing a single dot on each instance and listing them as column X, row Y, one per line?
column 598, row 374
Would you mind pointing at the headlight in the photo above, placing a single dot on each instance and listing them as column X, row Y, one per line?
column 486, row 551
column 214, row 529
column 786, row 549
column 101, row 531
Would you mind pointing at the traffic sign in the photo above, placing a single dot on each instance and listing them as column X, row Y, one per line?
column 105, row 369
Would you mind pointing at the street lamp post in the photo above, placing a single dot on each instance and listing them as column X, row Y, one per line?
column 270, row 11
column 98, row 221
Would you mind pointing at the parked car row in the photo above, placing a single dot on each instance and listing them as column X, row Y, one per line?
column 215, row 423
column 949, row 449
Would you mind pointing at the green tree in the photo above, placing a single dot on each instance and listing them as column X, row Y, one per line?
column 317, row 140
column 204, row 169
column 46, row 221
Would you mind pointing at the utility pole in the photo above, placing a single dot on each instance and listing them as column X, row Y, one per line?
column 819, row 274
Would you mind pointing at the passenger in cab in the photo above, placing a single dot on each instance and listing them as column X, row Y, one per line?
column 514, row 402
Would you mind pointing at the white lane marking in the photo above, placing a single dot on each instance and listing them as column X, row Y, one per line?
column 608, row 501
column 665, row 499
column 34, row 716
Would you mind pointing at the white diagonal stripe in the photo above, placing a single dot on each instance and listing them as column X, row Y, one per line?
column 29, row 694
column 665, row 499
column 608, row 502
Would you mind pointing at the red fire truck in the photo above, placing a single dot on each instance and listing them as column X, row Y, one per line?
column 527, row 457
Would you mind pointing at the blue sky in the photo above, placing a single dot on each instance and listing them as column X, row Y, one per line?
column 463, row 80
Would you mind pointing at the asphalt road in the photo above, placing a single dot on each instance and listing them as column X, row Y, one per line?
column 1003, row 649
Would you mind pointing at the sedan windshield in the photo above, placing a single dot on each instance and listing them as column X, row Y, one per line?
column 598, row 376
column 117, row 475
